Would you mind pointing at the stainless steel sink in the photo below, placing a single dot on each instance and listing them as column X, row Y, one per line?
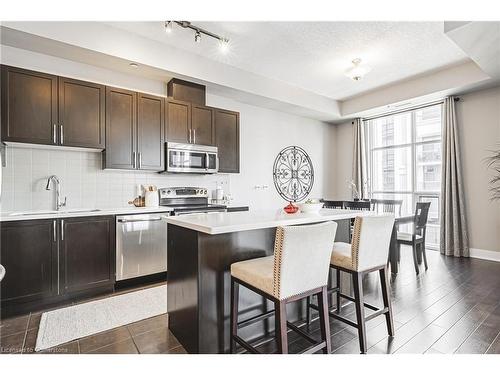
column 53, row 212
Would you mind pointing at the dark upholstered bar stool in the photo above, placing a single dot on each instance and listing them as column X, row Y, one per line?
column 298, row 269
column 367, row 253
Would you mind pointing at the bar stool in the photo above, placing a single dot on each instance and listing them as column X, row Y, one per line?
column 368, row 252
column 298, row 268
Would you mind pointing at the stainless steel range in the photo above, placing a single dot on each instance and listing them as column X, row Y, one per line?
column 188, row 200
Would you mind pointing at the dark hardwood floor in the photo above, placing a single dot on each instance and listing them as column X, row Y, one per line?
column 454, row 307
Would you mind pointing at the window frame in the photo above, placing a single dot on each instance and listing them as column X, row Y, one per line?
column 414, row 193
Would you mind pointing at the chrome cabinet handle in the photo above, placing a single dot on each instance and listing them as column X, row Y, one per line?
column 194, row 136
column 62, row 230
column 54, row 230
column 54, row 134
column 134, row 160
column 140, row 160
column 189, row 136
column 61, row 134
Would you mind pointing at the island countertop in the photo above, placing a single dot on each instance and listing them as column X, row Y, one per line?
column 227, row 222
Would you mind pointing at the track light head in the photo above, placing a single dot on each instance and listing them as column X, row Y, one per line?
column 224, row 45
column 169, row 25
column 197, row 37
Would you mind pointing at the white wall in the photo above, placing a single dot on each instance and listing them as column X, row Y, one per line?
column 342, row 145
column 263, row 133
column 478, row 116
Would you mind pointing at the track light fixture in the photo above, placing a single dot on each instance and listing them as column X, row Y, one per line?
column 198, row 31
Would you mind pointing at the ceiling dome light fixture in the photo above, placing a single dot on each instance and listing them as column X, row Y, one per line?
column 198, row 31
column 358, row 70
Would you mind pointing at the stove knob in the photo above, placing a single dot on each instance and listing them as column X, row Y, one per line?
column 205, row 191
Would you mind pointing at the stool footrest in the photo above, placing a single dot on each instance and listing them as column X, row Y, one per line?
column 245, row 344
column 377, row 313
column 349, row 298
column 294, row 328
column 343, row 320
column 255, row 319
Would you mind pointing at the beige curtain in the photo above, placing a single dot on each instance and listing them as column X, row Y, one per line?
column 453, row 237
column 359, row 167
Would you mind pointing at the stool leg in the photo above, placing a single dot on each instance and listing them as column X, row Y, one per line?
column 360, row 314
column 386, row 296
column 339, row 304
column 281, row 330
column 324, row 320
column 308, row 310
column 235, row 289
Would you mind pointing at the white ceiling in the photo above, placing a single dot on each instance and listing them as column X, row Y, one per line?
column 314, row 56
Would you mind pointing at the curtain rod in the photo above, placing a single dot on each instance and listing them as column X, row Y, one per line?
column 430, row 104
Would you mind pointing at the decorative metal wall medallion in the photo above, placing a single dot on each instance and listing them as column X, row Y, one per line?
column 293, row 174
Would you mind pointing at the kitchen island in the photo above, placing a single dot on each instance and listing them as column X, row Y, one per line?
column 201, row 249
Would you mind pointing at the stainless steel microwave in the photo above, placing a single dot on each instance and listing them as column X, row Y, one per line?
column 190, row 158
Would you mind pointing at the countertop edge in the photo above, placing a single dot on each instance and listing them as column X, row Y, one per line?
column 173, row 220
column 5, row 217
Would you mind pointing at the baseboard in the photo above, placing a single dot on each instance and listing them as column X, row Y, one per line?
column 485, row 254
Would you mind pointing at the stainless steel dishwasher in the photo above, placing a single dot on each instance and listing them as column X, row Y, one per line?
column 141, row 245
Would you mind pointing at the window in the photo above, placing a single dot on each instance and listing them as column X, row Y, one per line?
column 405, row 161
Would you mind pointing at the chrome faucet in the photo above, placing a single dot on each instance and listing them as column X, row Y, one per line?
column 59, row 204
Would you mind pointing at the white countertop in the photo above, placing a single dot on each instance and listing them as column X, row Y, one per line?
column 47, row 214
column 227, row 222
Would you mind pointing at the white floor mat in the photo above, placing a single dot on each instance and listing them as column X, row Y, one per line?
column 70, row 323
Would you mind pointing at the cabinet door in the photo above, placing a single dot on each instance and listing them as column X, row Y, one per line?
column 121, row 127
column 150, row 136
column 202, row 124
column 29, row 254
column 87, row 253
column 178, row 121
column 29, row 106
column 81, row 113
column 227, row 140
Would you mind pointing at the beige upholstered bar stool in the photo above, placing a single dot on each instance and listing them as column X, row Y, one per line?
column 367, row 253
column 298, row 268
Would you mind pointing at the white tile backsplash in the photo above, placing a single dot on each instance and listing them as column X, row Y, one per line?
column 83, row 181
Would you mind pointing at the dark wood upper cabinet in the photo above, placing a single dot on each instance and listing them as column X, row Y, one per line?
column 227, row 140
column 202, row 125
column 178, row 89
column 87, row 261
column 150, row 132
column 81, row 113
column 135, row 128
column 178, row 121
column 29, row 254
column 29, row 106
column 121, row 128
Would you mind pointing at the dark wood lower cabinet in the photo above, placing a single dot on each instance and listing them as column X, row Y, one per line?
column 87, row 253
column 50, row 261
column 29, row 254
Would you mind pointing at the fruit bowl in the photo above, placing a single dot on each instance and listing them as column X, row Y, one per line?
column 310, row 207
